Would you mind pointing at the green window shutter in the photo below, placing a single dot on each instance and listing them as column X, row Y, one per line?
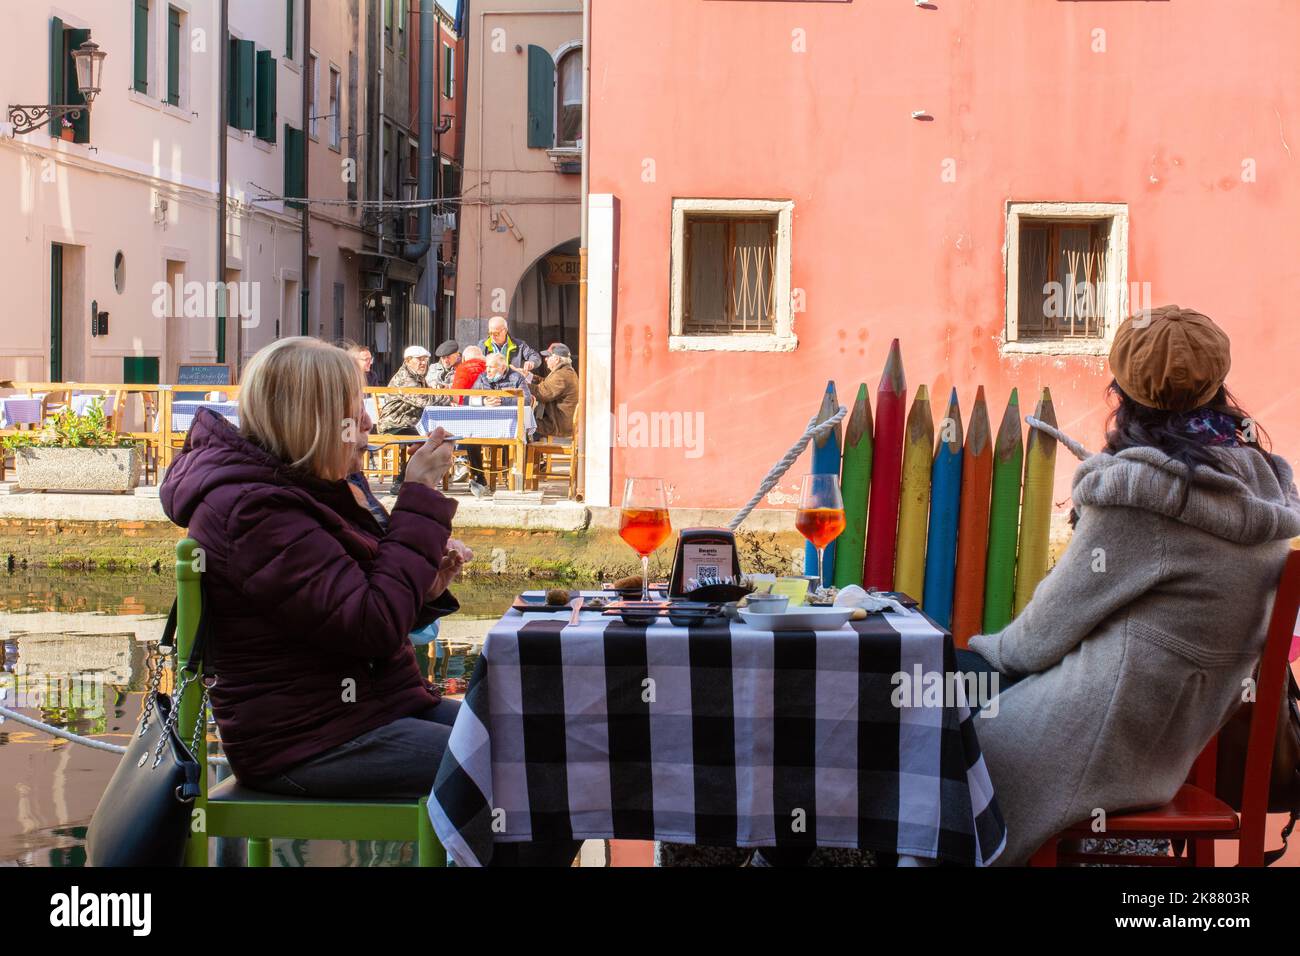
column 232, row 82
column 288, row 34
column 173, row 56
column 82, row 124
column 541, row 98
column 141, row 83
column 294, row 151
column 58, row 65
column 247, row 80
column 448, row 71
column 266, row 93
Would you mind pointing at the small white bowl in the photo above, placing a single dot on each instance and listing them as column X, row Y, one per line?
column 767, row 603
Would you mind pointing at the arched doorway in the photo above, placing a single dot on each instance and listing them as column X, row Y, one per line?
column 544, row 308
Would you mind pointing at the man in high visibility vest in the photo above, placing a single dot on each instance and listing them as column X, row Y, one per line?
column 517, row 353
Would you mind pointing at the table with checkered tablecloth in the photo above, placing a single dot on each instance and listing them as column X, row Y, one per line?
column 183, row 413
column 477, row 421
column 720, row 735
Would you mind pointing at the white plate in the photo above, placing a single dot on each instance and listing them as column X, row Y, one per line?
column 799, row 619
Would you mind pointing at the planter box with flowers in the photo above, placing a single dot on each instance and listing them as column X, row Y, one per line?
column 76, row 453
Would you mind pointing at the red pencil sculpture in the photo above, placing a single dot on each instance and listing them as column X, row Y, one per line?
column 886, row 474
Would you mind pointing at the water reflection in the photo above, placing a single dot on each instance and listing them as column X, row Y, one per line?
column 78, row 652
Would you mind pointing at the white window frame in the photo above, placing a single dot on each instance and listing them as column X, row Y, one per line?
column 335, row 94
column 313, row 126
column 1117, row 297
column 782, row 338
column 556, row 57
column 181, row 110
column 450, row 64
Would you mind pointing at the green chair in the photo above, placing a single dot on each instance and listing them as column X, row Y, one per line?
column 233, row 810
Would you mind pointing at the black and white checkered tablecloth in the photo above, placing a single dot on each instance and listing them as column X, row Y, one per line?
column 721, row 735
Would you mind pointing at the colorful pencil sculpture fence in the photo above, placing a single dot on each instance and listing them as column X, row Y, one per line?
column 961, row 524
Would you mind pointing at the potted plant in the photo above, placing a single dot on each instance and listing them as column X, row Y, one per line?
column 68, row 131
column 74, row 452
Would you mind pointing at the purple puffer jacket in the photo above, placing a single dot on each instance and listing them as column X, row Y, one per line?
column 309, row 602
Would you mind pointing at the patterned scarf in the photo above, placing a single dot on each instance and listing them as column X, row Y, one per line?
column 1210, row 427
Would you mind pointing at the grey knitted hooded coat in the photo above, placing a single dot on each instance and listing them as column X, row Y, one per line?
column 1136, row 645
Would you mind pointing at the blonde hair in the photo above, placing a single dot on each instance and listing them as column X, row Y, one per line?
column 296, row 400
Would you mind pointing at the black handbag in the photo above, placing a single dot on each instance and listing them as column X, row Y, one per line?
column 143, row 818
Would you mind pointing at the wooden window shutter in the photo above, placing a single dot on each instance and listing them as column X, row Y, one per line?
column 58, row 67
column 293, row 158
column 541, row 98
column 141, row 71
column 232, row 82
column 288, row 32
column 82, row 124
column 247, row 73
column 173, row 56
column 266, row 96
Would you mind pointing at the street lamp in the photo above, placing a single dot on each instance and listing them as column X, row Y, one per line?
column 89, row 61
column 90, row 68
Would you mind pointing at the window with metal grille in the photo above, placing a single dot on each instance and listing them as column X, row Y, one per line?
column 729, row 274
column 1063, row 278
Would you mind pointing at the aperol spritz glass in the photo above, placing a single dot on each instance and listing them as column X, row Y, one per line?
column 644, row 523
column 820, row 517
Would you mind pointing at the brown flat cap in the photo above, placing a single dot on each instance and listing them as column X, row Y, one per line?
column 1170, row 358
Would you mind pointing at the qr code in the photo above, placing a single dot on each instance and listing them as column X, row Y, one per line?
column 707, row 571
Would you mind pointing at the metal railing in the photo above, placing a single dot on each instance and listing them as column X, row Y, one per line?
column 160, row 440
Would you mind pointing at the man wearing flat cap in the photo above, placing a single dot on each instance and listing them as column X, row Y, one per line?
column 557, row 394
column 443, row 371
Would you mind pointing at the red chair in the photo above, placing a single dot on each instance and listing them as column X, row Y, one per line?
column 1195, row 818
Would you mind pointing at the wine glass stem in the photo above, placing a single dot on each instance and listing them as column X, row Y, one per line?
column 821, row 581
column 645, row 577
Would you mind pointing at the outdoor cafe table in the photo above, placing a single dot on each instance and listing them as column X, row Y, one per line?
column 477, row 421
column 183, row 413
column 19, row 411
column 719, row 735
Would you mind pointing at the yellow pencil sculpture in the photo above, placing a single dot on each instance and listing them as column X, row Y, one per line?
column 914, row 500
column 1036, row 504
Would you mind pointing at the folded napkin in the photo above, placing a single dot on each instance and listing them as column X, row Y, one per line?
column 854, row 596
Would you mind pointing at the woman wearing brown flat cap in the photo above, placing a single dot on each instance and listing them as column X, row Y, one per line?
column 1133, row 651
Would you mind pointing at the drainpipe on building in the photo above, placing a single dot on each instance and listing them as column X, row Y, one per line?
column 580, row 431
column 414, row 251
column 304, row 285
column 222, row 119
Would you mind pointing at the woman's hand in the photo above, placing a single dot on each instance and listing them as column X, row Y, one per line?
column 431, row 461
column 457, row 556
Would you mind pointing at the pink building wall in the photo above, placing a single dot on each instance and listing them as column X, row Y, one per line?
column 717, row 95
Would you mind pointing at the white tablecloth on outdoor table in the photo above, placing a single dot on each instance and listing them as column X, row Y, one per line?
column 717, row 735
column 477, row 421
column 19, row 411
column 82, row 403
column 183, row 413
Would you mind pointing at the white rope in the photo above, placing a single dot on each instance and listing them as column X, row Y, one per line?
column 814, row 429
column 78, row 739
column 1079, row 451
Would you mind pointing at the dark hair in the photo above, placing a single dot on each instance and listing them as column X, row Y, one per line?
column 1131, row 425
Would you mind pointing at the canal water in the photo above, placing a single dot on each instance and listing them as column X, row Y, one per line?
column 78, row 648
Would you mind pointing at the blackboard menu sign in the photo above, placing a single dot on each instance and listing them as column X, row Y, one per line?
column 203, row 375
column 206, row 375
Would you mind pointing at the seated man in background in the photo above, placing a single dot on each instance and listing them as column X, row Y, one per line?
column 498, row 375
column 443, row 372
column 557, row 394
column 516, row 352
column 402, row 413
column 470, row 368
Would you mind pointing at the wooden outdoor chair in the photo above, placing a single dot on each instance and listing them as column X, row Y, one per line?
column 231, row 809
column 544, row 454
column 1196, row 817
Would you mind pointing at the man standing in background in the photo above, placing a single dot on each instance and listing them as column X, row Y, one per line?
column 517, row 352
